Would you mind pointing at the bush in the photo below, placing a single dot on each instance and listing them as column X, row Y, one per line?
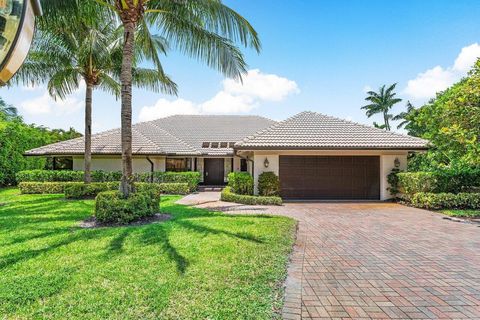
column 111, row 207
column 442, row 181
column 241, row 183
column 65, row 175
column 81, row 190
column 164, row 188
column 45, row 187
column 229, row 196
column 268, row 184
column 190, row 177
column 437, row 201
column 90, row 190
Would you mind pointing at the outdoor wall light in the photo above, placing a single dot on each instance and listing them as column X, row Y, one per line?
column 396, row 163
column 266, row 163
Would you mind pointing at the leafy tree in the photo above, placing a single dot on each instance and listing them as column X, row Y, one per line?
column 7, row 112
column 451, row 122
column 381, row 102
column 206, row 30
column 64, row 55
column 405, row 116
column 16, row 137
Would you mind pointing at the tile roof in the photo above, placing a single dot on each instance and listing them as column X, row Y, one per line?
column 174, row 135
column 311, row 130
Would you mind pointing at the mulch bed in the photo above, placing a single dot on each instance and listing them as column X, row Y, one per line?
column 92, row 222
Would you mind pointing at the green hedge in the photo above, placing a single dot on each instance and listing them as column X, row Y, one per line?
column 80, row 191
column 437, row 201
column 90, row 190
column 190, row 177
column 45, row 187
column 228, row 196
column 180, row 188
column 268, row 184
column 241, row 183
column 111, row 207
column 65, row 175
column 447, row 181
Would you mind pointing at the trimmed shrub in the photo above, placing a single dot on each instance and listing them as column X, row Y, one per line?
column 81, row 190
column 164, row 188
column 190, row 177
column 65, row 175
column 241, row 183
column 229, row 196
column 45, row 187
column 90, row 190
column 111, row 207
column 268, row 184
column 447, row 181
column 437, row 201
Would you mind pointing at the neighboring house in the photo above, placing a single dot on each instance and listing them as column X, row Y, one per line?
column 315, row 156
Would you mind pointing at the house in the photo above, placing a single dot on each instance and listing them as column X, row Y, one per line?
column 315, row 156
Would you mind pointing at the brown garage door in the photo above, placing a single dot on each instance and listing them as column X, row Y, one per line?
column 330, row 178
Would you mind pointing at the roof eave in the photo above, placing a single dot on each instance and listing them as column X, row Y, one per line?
column 300, row 148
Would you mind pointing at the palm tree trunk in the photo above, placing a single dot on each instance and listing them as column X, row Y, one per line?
column 126, row 185
column 88, row 133
column 385, row 119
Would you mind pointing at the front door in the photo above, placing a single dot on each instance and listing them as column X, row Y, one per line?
column 213, row 171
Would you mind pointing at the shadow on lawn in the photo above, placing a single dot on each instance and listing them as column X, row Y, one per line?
column 57, row 210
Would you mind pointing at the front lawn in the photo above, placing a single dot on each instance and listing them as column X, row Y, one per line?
column 462, row 213
column 198, row 265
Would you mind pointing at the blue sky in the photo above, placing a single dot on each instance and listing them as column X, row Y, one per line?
column 317, row 55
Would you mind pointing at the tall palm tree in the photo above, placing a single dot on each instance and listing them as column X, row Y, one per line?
column 404, row 116
column 382, row 102
column 65, row 55
column 7, row 111
column 206, row 30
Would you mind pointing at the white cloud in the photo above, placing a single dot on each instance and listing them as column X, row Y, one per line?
column 235, row 97
column 436, row 79
column 165, row 108
column 268, row 87
column 47, row 105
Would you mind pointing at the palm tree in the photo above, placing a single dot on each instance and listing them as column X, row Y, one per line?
column 382, row 102
column 7, row 111
column 65, row 55
column 206, row 30
column 404, row 116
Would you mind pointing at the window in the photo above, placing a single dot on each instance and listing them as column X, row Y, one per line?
column 206, row 145
column 243, row 165
column 214, row 145
column 223, row 144
column 61, row 163
column 178, row 164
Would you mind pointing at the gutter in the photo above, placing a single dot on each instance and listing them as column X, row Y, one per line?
column 152, row 169
column 245, row 158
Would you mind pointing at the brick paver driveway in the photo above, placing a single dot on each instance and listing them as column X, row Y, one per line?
column 378, row 260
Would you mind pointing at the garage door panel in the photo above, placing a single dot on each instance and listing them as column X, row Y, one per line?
column 327, row 177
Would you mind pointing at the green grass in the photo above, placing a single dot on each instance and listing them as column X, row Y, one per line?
column 462, row 213
column 198, row 265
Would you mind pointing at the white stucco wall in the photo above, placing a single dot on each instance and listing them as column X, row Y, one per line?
column 387, row 163
column 259, row 167
column 115, row 164
column 387, row 159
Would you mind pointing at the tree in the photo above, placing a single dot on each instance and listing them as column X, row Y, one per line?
column 16, row 137
column 382, row 102
column 404, row 116
column 7, row 111
column 206, row 30
column 64, row 55
column 451, row 122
